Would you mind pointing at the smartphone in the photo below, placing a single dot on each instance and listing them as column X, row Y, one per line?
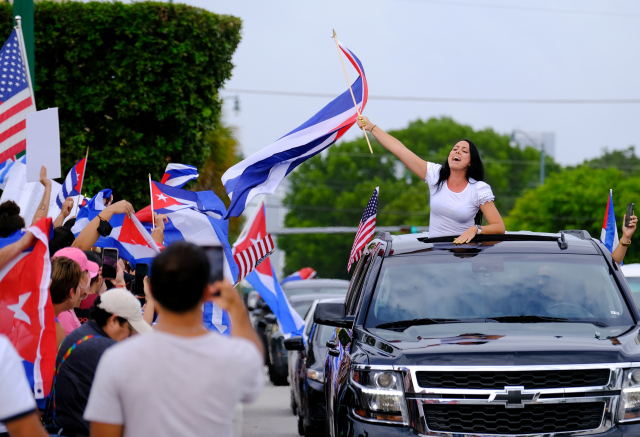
column 142, row 270
column 215, row 255
column 109, row 263
column 629, row 214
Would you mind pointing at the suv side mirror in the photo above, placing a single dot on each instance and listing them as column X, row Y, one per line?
column 332, row 314
column 294, row 344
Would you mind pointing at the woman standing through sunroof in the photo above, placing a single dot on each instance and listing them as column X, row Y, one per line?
column 459, row 195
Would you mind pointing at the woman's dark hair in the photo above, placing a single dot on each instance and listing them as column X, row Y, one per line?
column 62, row 237
column 10, row 220
column 474, row 171
column 101, row 317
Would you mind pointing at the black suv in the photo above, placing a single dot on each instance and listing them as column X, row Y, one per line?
column 517, row 334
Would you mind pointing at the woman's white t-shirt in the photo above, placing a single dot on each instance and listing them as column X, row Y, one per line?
column 453, row 213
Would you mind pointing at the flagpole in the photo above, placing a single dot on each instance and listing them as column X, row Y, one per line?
column 335, row 38
column 23, row 53
column 86, row 159
column 153, row 219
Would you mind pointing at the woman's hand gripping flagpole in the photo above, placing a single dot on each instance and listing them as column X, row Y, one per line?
column 335, row 38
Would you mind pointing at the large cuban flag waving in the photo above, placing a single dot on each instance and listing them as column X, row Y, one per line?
column 263, row 277
column 262, row 172
column 26, row 311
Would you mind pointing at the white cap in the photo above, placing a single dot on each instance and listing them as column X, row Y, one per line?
column 122, row 303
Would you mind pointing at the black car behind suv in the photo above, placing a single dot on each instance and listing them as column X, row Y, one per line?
column 517, row 334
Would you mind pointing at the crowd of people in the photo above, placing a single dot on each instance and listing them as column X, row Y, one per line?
column 114, row 374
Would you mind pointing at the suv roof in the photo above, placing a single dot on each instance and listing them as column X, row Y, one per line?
column 575, row 241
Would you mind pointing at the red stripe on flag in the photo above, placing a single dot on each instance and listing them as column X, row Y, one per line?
column 19, row 126
column 13, row 150
column 15, row 109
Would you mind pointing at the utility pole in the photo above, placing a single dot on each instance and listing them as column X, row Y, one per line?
column 537, row 144
column 24, row 8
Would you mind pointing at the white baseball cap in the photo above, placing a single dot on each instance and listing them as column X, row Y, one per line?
column 122, row 303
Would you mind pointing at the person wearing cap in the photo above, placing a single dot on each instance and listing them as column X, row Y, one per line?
column 83, row 311
column 115, row 316
column 90, row 269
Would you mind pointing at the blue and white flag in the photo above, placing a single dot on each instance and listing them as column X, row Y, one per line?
column 5, row 168
column 262, row 172
column 176, row 175
column 72, row 183
column 91, row 210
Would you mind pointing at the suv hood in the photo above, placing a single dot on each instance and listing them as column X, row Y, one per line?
column 503, row 344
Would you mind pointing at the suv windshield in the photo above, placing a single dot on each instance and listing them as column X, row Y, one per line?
column 445, row 288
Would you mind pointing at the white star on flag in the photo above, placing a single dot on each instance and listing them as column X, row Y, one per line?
column 256, row 240
column 17, row 308
column 162, row 197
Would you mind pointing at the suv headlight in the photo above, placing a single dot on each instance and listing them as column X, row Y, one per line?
column 381, row 395
column 316, row 375
column 630, row 397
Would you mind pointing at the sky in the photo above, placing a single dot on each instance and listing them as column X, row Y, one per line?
column 461, row 49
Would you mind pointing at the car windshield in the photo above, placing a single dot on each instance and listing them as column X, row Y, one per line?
column 324, row 333
column 302, row 307
column 315, row 290
column 439, row 288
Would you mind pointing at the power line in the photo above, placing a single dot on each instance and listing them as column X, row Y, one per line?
column 524, row 8
column 444, row 99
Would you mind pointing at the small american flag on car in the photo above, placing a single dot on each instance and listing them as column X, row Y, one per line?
column 252, row 256
column 365, row 229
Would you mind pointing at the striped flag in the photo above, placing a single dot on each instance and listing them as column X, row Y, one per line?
column 72, row 183
column 262, row 172
column 609, row 234
column 365, row 229
column 176, row 175
column 253, row 255
column 16, row 100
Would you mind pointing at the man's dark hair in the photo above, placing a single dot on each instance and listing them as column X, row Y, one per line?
column 69, row 223
column 179, row 276
column 96, row 258
column 101, row 317
column 10, row 220
column 62, row 237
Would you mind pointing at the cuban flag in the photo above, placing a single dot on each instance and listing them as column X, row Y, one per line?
column 262, row 172
column 6, row 166
column 170, row 198
column 301, row 275
column 26, row 311
column 609, row 235
column 72, row 183
column 263, row 277
column 176, row 175
column 90, row 210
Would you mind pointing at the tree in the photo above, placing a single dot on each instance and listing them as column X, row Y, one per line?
column 625, row 160
column 333, row 190
column 137, row 83
column 576, row 199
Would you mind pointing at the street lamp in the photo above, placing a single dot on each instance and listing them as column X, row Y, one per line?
column 540, row 145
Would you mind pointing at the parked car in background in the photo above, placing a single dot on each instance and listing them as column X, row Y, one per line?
column 632, row 274
column 266, row 324
column 306, row 373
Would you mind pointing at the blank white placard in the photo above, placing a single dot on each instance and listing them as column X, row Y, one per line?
column 43, row 144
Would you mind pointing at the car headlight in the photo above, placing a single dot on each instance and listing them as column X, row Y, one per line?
column 630, row 397
column 381, row 396
column 316, row 375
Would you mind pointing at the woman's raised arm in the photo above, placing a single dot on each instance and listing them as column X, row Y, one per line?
column 408, row 158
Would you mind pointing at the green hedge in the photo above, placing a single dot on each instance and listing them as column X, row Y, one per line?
column 137, row 83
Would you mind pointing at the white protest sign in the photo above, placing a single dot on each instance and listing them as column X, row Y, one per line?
column 43, row 144
column 28, row 194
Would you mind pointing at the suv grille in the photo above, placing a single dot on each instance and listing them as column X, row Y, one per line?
column 541, row 418
column 528, row 379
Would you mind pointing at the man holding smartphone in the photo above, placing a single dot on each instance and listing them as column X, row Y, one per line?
column 628, row 228
column 203, row 374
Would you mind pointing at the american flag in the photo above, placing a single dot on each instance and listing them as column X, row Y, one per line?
column 16, row 100
column 365, row 229
column 253, row 255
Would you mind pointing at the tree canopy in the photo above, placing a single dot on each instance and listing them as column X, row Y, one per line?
column 137, row 83
column 332, row 189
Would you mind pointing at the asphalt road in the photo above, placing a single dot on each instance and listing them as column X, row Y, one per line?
column 270, row 415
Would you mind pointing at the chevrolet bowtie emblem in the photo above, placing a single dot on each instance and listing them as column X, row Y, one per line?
column 514, row 397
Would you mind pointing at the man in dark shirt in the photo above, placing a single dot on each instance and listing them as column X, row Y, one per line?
column 115, row 315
